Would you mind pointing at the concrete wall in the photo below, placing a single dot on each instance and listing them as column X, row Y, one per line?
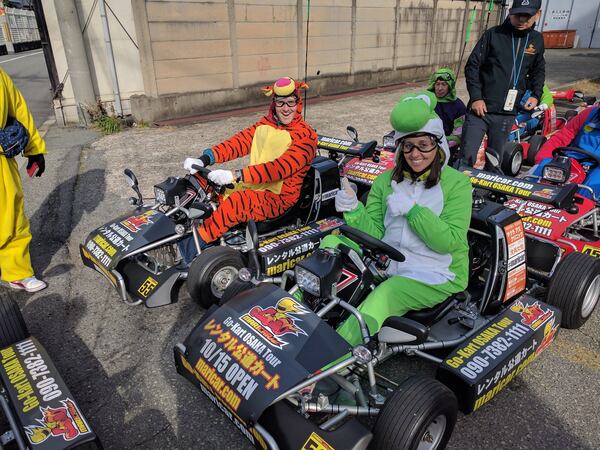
column 126, row 55
column 204, row 56
column 198, row 56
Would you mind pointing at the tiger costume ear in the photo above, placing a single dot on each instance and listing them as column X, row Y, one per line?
column 268, row 90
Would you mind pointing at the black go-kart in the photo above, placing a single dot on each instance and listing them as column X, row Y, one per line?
column 139, row 253
column 39, row 408
column 275, row 366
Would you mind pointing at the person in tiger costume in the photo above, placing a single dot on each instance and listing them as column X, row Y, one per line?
column 281, row 146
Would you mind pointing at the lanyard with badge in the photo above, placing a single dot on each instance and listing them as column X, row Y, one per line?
column 511, row 97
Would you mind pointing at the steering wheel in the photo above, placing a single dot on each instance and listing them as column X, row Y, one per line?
column 204, row 172
column 588, row 155
column 371, row 243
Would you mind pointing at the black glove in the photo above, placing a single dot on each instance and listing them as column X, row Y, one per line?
column 13, row 138
column 41, row 162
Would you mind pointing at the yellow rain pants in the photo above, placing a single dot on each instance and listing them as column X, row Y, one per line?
column 15, row 263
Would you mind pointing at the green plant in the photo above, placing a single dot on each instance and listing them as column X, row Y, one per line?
column 102, row 120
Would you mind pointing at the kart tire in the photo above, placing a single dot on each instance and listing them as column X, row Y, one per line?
column 575, row 288
column 570, row 114
column 535, row 143
column 590, row 100
column 419, row 406
column 211, row 272
column 512, row 158
column 12, row 325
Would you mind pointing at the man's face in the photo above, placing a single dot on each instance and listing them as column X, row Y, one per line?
column 523, row 21
column 286, row 108
column 441, row 88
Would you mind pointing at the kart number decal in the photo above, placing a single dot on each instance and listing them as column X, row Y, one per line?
column 316, row 442
column 147, row 287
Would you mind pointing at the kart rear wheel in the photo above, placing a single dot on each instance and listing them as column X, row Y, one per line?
column 419, row 415
column 575, row 288
column 12, row 325
column 211, row 272
column 512, row 158
column 535, row 143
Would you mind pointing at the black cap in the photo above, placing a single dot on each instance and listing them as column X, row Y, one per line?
column 525, row 7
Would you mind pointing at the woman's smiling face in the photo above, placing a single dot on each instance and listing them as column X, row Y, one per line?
column 419, row 152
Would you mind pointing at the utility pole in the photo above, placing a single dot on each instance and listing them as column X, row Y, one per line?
column 77, row 63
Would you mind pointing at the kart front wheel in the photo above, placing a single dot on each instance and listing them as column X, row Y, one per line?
column 512, row 158
column 419, row 415
column 12, row 325
column 535, row 143
column 211, row 272
column 575, row 288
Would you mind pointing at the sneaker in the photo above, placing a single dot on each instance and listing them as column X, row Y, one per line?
column 30, row 284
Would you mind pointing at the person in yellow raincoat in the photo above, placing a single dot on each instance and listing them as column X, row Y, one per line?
column 16, row 120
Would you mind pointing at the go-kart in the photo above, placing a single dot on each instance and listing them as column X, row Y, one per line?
column 525, row 140
column 561, row 228
column 274, row 365
column 39, row 408
column 139, row 252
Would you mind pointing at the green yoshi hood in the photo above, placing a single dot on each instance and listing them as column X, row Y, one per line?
column 449, row 77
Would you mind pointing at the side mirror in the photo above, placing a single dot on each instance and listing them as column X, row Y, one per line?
column 131, row 178
column 252, row 235
column 352, row 133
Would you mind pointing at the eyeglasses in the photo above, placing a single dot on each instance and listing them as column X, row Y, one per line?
column 292, row 103
column 423, row 147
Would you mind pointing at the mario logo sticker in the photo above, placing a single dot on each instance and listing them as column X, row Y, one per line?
column 273, row 322
column 135, row 223
column 66, row 422
column 532, row 315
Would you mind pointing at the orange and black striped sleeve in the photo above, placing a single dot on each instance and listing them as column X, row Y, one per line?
column 238, row 145
column 299, row 155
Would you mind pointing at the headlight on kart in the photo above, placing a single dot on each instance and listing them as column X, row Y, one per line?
column 558, row 170
column 160, row 195
column 308, row 281
column 389, row 142
column 319, row 273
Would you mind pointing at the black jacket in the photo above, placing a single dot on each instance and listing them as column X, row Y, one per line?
column 488, row 70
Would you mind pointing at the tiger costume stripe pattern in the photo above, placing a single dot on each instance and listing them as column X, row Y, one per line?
column 291, row 168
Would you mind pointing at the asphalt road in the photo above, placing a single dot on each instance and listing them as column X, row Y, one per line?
column 28, row 72
column 118, row 360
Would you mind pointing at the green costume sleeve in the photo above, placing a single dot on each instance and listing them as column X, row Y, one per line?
column 446, row 233
column 370, row 218
column 547, row 96
column 457, row 130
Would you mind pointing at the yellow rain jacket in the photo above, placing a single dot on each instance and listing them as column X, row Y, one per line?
column 15, row 263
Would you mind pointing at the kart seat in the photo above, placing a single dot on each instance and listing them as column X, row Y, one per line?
column 297, row 210
column 428, row 316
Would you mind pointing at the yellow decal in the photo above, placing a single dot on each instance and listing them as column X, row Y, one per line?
column 592, row 251
column 147, row 287
column 316, row 442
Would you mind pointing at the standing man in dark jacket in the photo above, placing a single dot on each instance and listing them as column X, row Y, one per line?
column 504, row 60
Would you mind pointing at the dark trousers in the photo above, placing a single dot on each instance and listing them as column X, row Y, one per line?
column 497, row 127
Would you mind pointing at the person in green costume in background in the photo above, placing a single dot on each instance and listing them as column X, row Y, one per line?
column 422, row 207
column 449, row 108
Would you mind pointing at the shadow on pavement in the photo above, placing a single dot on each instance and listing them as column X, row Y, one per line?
column 53, row 320
column 53, row 222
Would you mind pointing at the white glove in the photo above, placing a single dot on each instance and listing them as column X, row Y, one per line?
column 542, row 107
column 399, row 203
column 221, row 177
column 189, row 162
column 345, row 199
